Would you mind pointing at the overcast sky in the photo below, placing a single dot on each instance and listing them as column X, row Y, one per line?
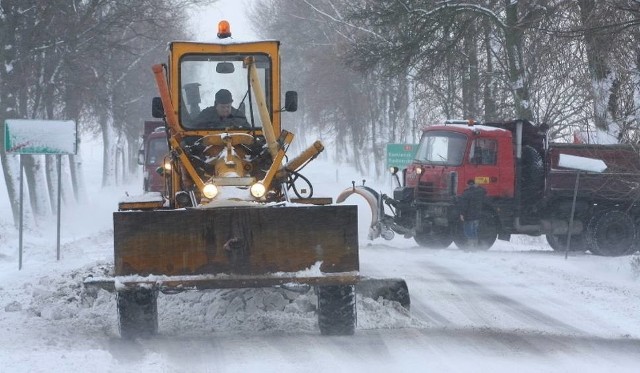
column 205, row 19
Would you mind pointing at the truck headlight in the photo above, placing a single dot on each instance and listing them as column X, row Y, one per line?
column 210, row 190
column 258, row 190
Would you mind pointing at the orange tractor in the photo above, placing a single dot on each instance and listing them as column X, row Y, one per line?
column 231, row 214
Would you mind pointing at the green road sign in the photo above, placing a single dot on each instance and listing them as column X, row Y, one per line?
column 400, row 155
column 36, row 136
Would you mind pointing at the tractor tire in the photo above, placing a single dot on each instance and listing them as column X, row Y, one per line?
column 336, row 309
column 558, row 242
column 138, row 313
column 611, row 233
column 434, row 240
column 487, row 233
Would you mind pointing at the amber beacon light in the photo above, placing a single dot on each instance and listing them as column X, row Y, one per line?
column 224, row 29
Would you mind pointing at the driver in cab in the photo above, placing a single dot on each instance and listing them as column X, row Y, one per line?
column 221, row 115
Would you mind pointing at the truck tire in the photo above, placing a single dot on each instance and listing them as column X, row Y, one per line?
column 138, row 313
column 434, row 239
column 336, row 309
column 611, row 233
column 558, row 242
column 487, row 233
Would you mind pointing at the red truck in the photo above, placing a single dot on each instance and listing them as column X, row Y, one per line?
column 533, row 187
column 153, row 150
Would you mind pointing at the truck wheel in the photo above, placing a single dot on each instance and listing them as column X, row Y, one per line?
column 138, row 313
column 487, row 233
column 558, row 242
column 433, row 239
column 611, row 233
column 336, row 309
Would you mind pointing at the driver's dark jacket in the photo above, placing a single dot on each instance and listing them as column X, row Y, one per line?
column 209, row 118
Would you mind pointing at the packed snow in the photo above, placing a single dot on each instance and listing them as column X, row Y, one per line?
column 519, row 306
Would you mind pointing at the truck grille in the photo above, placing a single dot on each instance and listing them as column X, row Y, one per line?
column 430, row 192
column 425, row 192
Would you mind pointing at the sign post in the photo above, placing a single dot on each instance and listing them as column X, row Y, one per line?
column 24, row 136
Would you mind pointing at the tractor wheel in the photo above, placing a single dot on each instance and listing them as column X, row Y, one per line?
column 612, row 233
column 434, row 239
column 487, row 233
column 336, row 309
column 558, row 242
column 138, row 313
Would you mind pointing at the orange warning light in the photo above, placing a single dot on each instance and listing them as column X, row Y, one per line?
column 224, row 29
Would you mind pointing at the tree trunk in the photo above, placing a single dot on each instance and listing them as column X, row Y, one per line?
column 514, row 44
column 470, row 84
column 602, row 76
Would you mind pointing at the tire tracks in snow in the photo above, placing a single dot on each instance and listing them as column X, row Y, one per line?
column 484, row 307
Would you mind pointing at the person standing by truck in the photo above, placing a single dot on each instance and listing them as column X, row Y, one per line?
column 470, row 207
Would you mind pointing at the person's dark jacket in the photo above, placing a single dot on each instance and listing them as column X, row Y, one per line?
column 470, row 202
column 209, row 118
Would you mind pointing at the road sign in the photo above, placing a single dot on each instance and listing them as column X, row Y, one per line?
column 400, row 155
column 24, row 136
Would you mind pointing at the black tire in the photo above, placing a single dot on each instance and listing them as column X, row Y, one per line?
column 336, row 309
column 487, row 233
column 434, row 240
column 138, row 313
column 611, row 233
column 558, row 242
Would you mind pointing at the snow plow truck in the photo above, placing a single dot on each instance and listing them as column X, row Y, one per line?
column 231, row 214
column 581, row 196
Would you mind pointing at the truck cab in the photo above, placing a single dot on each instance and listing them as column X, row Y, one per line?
column 450, row 155
column 153, row 152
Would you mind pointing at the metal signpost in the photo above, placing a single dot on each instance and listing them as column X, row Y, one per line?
column 46, row 137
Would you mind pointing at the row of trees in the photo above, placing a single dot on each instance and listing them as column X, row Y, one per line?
column 375, row 71
column 82, row 60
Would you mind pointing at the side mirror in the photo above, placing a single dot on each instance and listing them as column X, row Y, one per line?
column 157, row 110
column 225, row 68
column 140, row 157
column 291, row 101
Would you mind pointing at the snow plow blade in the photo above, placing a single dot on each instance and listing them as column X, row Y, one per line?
column 235, row 247
column 373, row 200
column 392, row 289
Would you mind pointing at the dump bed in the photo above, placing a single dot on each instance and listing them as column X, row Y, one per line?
column 620, row 181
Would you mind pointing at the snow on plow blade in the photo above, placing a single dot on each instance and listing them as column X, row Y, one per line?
column 239, row 246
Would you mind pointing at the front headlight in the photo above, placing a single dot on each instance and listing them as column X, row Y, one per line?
column 210, row 191
column 258, row 190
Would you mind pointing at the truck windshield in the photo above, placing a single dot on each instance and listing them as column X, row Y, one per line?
column 442, row 148
column 204, row 75
column 158, row 149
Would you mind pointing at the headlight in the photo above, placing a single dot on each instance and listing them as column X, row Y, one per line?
column 419, row 170
column 258, row 190
column 167, row 166
column 394, row 170
column 210, row 191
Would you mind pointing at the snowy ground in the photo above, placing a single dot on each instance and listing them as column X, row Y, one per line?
column 519, row 306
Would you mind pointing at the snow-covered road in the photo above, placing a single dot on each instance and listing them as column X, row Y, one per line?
column 517, row 306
